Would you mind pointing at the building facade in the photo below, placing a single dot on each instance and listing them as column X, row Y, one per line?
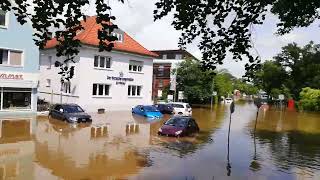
column 163, row 66
column 116, row 80
column 19, row 62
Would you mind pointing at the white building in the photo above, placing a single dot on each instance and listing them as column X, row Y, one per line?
column 116, row 80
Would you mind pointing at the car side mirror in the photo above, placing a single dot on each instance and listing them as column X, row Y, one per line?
column 61, row 110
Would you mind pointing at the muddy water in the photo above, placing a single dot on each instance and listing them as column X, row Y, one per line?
column 117, row 145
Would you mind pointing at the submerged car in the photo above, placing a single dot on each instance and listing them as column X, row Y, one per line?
column 69, row 112
column 147, row 111
column 164, row 108
column 179, row 126
column 180, row 108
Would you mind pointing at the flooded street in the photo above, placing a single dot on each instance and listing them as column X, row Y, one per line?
column 117, row 145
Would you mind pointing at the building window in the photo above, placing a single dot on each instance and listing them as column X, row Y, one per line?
column 134, row 90
column 160, row 83
column 3, row 18
column 48, row 83
column 10, row 57
column 101, row 90
column 49, row 62
column 161, row 70
column 16, row 98
column 102, row 62
column 66, row 87
column 118, row 35
column 178, row 56
column 135, row 66
column 164, row 56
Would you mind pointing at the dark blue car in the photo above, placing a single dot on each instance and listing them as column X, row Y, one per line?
column 165, row 108
column 147, row 111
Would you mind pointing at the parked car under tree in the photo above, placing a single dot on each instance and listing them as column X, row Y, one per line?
column 72, row 113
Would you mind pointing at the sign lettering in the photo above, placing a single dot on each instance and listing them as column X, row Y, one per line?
column 11, row 76
column 120, row 80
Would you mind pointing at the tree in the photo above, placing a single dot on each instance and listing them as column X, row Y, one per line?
column 66, row 16
column 244, row 87
column 302, row 65
column 225, row 25
column 270, row 77
column 223, row 83
column 310, row 99
column 196, row 83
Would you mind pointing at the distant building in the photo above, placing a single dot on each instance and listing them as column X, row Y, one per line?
column 19, row 63
column 163, row 67
column 116, row 80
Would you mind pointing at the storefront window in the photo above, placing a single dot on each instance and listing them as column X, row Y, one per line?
column 16, row 98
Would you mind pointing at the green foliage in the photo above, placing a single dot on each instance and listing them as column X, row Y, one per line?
column 245, row 87
column 225, row 25
column 293, row 69
column 165, row 92
column 196, row 83
column 310, row 99
column 223, row 83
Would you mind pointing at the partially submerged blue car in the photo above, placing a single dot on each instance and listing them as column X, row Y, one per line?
column 147, row 111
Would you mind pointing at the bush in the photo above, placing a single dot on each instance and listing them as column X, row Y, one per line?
column 310, row 99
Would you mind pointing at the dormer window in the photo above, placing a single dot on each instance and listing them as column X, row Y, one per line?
column 3, row 19
column 118, row 35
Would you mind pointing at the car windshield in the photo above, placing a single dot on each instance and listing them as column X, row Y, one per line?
column 73, row 109
column 180, row 122
column 177, row 105
column 150, row 109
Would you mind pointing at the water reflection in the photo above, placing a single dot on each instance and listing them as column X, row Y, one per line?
column 16, row 148
column 292, row 139
column 117, row 145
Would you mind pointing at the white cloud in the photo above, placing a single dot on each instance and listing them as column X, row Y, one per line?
column 136, row 18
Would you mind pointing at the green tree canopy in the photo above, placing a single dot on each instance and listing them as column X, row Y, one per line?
column 292, row 69
column 196, row 83
column 225, row 25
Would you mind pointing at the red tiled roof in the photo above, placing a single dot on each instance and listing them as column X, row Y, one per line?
column 89, row 36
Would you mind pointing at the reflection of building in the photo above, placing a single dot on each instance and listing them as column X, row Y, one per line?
column 94, row 151
column 16, row 149
column 163, row 67
column 115, row 80
column 19, row 61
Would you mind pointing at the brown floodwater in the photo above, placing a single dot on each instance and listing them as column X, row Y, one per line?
column 117, row 145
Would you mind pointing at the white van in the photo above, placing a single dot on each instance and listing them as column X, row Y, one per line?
column 180, row 108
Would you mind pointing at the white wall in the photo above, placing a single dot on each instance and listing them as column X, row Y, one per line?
column 52, row 94
column 86, row 75
column 118, row 99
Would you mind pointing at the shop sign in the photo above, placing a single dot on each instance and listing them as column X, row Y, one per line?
column 120, row 79
column 11, row 76
column 180, row 95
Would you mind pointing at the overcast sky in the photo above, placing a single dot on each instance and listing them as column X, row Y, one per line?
column 136, row 18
